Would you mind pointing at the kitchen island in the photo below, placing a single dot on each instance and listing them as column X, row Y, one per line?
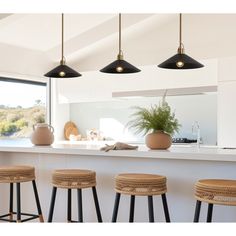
column 183, row 166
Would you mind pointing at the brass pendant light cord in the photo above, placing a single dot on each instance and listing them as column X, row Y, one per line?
column 62, row 39
column 119, row 66
column 120, row 54
column 120, row 33
column 180, row 60
column 180, row 30
column 62, row 71
column 181, row 46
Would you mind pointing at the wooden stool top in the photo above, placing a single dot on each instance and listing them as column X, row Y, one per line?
column 16, row 174
column 216, row 191
column 140, row 184
column 73, row 178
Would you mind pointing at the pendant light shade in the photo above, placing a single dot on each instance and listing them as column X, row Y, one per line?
column 180, row 60
column 62, row 71
column 120, row 66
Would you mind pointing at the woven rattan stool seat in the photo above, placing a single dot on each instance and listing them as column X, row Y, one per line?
column 216, row 191
column 74, row 178
column 16, row 174
column 140, row 184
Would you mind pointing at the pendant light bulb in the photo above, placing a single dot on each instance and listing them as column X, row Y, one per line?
column 120, row 66
column 119, row 69
column 180, row 60
column 62, row 71
column 179, row 64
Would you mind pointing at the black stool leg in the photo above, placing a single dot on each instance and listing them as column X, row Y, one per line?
column 80, row 209
column 37, row 201
column 52, row 204
column 165, row 206
column 69, row 206
column 197, row 211
column 95, row 197
column 18, row 212
column 209, row 212
column 116, row 206
column 131, row 212
column 150, row 209
column 11, row 202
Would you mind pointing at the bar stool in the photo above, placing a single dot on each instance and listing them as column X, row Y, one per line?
column 74, row 179
column 214, row 191
column 140, row 185
column 18, row 175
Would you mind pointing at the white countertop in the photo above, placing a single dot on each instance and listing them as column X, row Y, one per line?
column 178, row 152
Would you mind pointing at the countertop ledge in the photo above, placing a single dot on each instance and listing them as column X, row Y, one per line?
column 175, row 152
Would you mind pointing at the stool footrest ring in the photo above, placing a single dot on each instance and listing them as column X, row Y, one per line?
column 32, row 217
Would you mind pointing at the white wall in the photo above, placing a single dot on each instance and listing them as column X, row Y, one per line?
column 226, row 102
column 20, row 62
column 60, row 112
column 111, row 117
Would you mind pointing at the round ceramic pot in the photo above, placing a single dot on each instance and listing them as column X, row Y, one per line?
column 158, row 140
column 42, row 134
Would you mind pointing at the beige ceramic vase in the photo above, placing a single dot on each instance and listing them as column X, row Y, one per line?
column 158, row 140
column 42, row 134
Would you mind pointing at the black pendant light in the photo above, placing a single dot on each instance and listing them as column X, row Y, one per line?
column 120, row 66
column 62, row 71
column 180, row 60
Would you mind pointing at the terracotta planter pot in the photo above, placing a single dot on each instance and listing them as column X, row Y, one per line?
column 158, row 140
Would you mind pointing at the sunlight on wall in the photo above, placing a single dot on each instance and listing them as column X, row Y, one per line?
column 113, row 129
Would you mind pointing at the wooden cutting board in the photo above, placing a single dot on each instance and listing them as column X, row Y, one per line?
column 70, row 128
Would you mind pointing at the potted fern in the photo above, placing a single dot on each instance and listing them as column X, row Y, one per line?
column 158, row 124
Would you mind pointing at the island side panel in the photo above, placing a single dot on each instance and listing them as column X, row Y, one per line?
column 181, row 175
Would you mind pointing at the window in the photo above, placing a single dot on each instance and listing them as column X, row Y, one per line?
column 22, row 104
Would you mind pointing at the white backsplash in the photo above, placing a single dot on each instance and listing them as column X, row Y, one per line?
column 111, row 117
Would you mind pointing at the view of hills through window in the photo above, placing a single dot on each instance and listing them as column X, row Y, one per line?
column 21, row 106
